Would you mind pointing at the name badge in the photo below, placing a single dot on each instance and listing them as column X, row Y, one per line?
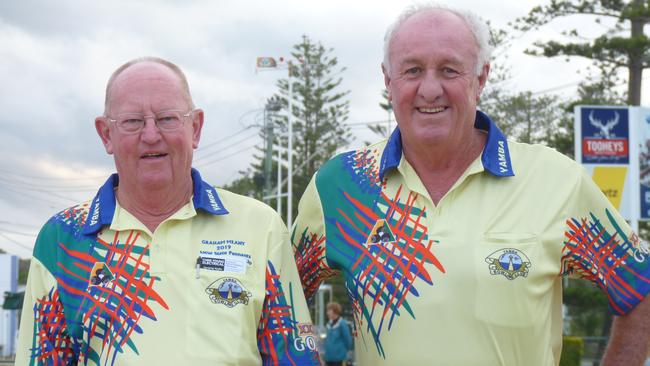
column 222, row 263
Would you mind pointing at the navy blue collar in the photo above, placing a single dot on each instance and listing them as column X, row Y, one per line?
column 495, row 157
column 103, row 205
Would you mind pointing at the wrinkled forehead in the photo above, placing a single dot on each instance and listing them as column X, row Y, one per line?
column 145, row 72
column 146, row 83
column 435, row 24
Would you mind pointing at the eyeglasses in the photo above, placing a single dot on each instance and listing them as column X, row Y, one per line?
column 166, row 121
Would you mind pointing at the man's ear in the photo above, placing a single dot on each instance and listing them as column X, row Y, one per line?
column 197, row 126
column 482, row 79
column 103, row 130
column 386, row 81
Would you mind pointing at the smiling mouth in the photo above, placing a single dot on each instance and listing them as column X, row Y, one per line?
column 153, row 155
column 431, row 110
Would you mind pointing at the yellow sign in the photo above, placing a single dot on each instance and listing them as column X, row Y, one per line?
column 611, row 181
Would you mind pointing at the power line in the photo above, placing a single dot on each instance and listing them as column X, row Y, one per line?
column 18, row 233
column 9, row 172
column 24, row 184
column 227, row 156
column 17, row 243
column 52, row 204
column 223, row 148
column 18, row 224
column 223, row 139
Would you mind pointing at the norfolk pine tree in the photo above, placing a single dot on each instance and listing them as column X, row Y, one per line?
column 320, row 109
column 622, row 46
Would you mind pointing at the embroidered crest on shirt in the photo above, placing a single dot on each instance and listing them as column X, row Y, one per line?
column 100, row 275
column 381, row 233
column 228, row 291
column 509, row 262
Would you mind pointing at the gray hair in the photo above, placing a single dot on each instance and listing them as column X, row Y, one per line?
column 177, row 70
column 478, row 27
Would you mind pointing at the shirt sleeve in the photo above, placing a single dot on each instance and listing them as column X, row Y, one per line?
column 600, row 246
column 43, row 337
column 308, row 239
column 285, row 333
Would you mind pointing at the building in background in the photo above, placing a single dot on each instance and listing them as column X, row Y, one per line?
column 8, row 317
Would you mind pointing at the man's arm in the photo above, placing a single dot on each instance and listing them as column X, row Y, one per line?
column 285, row 332
column 630, row 337
column 43, row 337
column 309, row 239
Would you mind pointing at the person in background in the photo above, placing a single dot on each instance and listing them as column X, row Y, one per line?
column 338, row 342
column 162, row 268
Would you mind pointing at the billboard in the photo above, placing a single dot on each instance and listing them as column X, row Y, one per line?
column 605, row 135
column 603, row 147
column 613, row 144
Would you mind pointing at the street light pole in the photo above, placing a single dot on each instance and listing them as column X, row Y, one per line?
column 290, row 155
column 271, row 63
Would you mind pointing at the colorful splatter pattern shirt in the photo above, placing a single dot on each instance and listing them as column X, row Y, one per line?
column 475, row 279
column 214, row 284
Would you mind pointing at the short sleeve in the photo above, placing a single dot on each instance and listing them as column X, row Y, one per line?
column 308, row 239
column 600, row 246
column 44, row 335
column 285, row 332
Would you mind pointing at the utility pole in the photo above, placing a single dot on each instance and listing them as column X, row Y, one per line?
column 271, row 107
column 290, row 154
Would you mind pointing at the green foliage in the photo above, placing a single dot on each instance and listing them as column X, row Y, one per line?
column 525, row 117
column 319, row 110
column 522, row 116
column 23, row 270
column 612, row 49
column 587, row 309
column 249, row 184
column 572, row 351
column 381, row 128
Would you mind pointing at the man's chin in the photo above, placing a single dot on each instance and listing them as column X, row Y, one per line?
column 154, row 180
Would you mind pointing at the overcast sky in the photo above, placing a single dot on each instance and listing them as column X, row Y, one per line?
column 56, row 56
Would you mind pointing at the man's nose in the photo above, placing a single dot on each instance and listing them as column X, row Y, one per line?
column 150, row 132
column 430, row 87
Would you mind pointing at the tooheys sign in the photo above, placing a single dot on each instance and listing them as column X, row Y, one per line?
column 605, row 136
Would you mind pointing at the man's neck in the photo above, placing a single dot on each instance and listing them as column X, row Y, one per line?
column 440, row 167
column 153, row 206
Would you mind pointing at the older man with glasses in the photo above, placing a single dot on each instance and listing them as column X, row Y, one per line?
column 161, row 268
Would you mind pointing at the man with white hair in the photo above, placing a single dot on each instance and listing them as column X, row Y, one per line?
column 162, row 268
column 476, row 231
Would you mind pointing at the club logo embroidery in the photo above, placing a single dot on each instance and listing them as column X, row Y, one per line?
column 101, row 275
column 509, row 262
column 381, row 233
column 228, row 291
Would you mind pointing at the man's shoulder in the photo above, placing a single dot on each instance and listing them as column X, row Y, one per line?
column 239, row 204
column 73, row 216
column 65, row 225
column 537, row 156
column 365, row 160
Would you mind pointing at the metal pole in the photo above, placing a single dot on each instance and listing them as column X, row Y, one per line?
column 290, row 155
column 269, row 156
column 279, row 200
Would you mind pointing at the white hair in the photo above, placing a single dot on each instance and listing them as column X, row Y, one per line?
column 478, row 27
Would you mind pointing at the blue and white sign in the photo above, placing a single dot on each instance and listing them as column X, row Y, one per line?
column 605, row 135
